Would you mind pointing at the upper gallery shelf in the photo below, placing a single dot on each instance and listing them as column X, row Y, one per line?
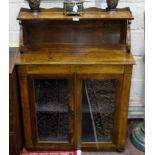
column 89, row 14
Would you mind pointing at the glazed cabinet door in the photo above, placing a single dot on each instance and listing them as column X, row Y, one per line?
column 48, row 108
column 100, row 108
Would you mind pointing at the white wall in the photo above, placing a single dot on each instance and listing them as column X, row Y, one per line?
column 136, row 108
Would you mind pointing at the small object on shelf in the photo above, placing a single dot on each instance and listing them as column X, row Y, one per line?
column 111, row 5
column 72, row 7
column 34, row 5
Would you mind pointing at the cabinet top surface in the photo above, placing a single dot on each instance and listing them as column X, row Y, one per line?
column 89, row 14
column 75, row 55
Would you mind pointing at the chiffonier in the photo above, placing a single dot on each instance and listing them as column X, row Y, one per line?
column 74, row 74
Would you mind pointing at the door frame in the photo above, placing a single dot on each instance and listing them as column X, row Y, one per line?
column 28, row 107
column 100, row 76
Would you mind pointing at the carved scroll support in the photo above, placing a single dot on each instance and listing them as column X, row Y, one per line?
column 128, row 40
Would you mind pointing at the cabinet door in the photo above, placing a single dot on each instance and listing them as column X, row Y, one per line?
column 48, row 110
column 99, row 108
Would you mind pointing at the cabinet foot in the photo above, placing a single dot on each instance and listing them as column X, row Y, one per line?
column 120, row 150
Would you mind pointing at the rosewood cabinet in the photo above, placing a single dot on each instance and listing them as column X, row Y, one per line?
column 75, row 78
